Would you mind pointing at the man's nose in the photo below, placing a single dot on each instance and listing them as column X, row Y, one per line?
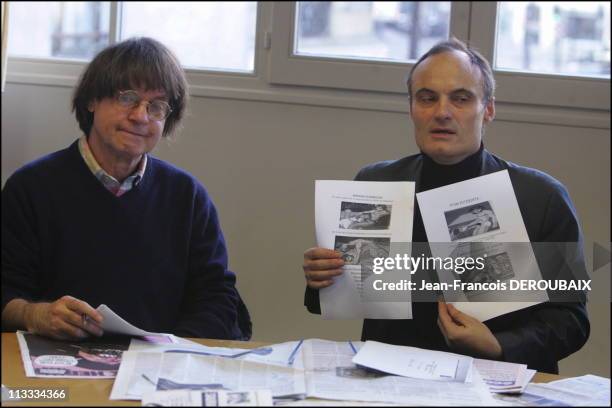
column 443, row 109
column 139, row 112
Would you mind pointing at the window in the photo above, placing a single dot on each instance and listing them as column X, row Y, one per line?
column 384, row 30
column 571, row 38
column 211, row 35
column 349, row 54
column 204, row 35
column 72, row 30
column 358, row 46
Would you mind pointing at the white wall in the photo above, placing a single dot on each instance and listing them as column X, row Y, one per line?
column 259, row 161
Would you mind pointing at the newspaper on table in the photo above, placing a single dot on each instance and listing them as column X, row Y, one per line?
column 595, row 386
column 480, row 219
column 211, row 398
column 142, row 372
column 503, row 377
column 90, row 358
column 331, row 375
column 282, row 354
column 580, row 391
column 414, row 362
column 363, row 220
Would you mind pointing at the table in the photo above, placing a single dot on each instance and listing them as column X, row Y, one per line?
column 95, row 392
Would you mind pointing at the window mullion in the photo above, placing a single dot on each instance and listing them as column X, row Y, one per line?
column 459, row 20
column 483, row 19
column 114, row 22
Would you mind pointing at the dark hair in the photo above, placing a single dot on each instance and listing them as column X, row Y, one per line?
column 488, row 82
column 131, row 64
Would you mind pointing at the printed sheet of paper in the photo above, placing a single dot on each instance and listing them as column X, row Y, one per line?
column 278, row 354
column 545, row 395
column 363, row 220
column 414, row 362
column 211, row 398
column 331, row 375
column 143, row 372
column 479, row 217
column 596, row 387
column 502, row 376
column 90, row 358
column 113, row 323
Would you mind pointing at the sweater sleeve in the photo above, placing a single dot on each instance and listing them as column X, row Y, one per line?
column 20, row 244
column 211, row 305
column 553, row 330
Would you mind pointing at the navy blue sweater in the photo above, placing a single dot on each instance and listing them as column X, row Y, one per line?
column 156, row 255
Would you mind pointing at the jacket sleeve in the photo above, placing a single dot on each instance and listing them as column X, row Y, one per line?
column 212, row 306
column 546, row 333
column 21, row 273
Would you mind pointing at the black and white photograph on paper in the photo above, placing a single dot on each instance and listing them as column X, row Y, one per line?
column 360, row 250
column 471, row 221
column 360, row 216
column 498, row 267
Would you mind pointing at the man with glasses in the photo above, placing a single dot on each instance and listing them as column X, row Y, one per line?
column 103, row 222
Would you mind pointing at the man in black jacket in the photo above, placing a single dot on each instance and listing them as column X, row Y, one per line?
column 451, row 91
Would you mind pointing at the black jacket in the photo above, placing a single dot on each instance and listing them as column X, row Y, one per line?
column 538, row 336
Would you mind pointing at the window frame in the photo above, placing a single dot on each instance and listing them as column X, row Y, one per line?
column 365, row 75
column 533, row 98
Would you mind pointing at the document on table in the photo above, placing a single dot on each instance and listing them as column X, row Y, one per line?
column 593, row 385
column 277, row 354
column 143, row 372
column 89, row 358
column 414, row 362
column 113, row 323
column 331, row 374
column 504, row 377
column 211, row 398
column 556, row 394
column 480, row 218
column 363, row 220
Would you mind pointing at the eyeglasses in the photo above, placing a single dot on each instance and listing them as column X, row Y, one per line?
column 157, row 110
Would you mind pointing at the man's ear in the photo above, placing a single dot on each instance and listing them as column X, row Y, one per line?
column 489, row 113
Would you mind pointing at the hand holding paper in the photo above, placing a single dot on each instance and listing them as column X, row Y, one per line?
column 321, row 265
column 465, row 334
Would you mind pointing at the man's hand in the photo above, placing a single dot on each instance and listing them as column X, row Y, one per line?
column 66, row 319
column 320, row 266
column 467, row 335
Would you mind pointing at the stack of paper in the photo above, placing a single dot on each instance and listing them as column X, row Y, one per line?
column 414, row 362
column 502, row 377
column 588, row 390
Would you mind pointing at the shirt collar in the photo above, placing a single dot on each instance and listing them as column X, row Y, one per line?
column 109, row 181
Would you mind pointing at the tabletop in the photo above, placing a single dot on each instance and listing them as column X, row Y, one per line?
column 95, row 392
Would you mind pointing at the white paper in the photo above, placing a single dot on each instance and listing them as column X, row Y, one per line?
column 413, row 362
column 211, row 398
column 502, row 376
column 113, row 323
column 592, row 385
column 331, row 375
column 143, row 372
column 544, row 395
column 363, row 220
column 449, row 216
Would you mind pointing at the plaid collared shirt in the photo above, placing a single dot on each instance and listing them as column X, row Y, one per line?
column 106, row 179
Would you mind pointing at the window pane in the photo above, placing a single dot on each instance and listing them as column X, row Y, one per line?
column 399, row 31
column 571, row 38
column 205, row 35
column 76, row 30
